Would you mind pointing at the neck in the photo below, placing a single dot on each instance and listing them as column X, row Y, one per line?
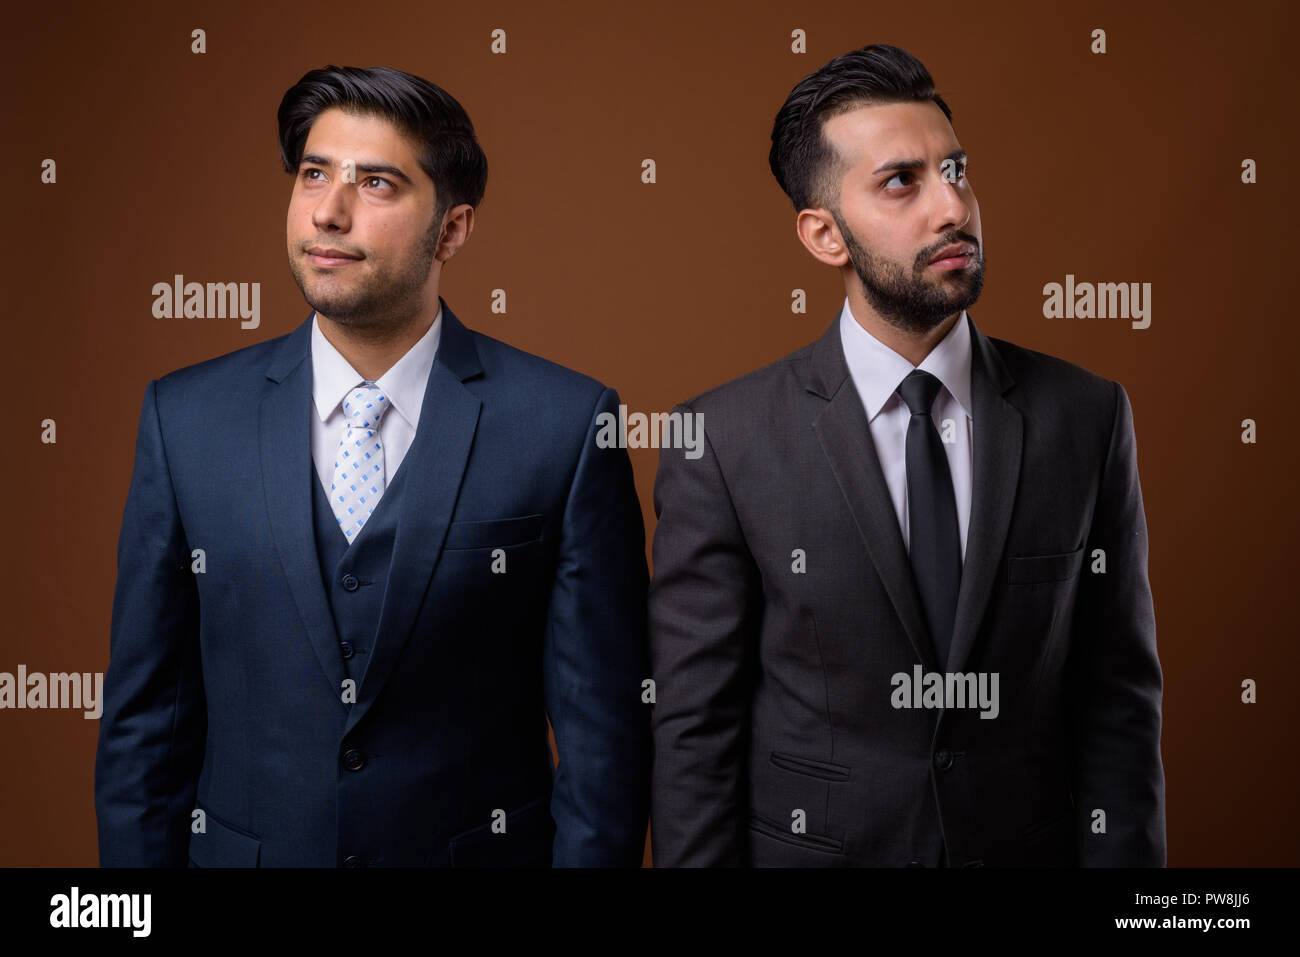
column 912, row 347
column 370, row 352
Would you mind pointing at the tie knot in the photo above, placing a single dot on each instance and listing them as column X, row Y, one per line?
column 365, row 406
column 918, row 390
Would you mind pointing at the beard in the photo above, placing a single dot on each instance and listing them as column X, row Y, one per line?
column 375, row 303
column 910, row 301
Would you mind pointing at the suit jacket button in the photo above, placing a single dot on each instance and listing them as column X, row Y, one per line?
column 975, row 863
column 350, row 582
column 915, row 864
column 943, row 759
column 352, row 861
column 346, row 648
column 353, row 759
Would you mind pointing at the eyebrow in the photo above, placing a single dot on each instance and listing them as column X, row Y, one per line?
column 916, row 163
column 368, row 168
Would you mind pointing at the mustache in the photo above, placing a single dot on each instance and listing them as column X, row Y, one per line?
column 957, row 238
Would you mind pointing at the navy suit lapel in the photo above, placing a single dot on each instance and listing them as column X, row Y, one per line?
column 284, row 439
column 436, row 465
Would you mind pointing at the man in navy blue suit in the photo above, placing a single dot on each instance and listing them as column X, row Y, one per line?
column 361, row 563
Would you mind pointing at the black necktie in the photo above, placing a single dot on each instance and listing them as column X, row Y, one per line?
column 935, row 543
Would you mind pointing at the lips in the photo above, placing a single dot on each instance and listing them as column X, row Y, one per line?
column 954, row 252
column 331, row 253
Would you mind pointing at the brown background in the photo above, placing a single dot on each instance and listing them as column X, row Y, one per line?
column 1122, row 167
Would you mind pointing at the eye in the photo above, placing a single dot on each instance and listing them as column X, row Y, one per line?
column 961, row 175
column 306, row 173
column 379, row 179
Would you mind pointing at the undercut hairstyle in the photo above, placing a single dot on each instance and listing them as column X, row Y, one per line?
column 808, row 167
column 448, row 152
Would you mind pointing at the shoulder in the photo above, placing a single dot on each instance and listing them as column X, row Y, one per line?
column 760, row 390
column 1049, row 384
column 747, row 412
column 250, row 360
column 223, row 384
column 526, row 371
column 531, row 406
column 532, row 386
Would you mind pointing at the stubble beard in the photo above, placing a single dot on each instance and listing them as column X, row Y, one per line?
column 375, row 306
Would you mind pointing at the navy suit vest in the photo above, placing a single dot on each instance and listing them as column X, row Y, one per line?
column 355, row 574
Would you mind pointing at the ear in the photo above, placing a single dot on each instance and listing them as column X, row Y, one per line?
column 820, row 234
column 457, row 224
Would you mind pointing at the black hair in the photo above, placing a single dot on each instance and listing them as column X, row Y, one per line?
column 449, row 154
column 803, row 162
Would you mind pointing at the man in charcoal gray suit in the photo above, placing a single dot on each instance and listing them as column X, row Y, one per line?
column 900, row 613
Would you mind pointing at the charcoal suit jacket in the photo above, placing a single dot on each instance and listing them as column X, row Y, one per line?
column 783, row 606
column 516, row 591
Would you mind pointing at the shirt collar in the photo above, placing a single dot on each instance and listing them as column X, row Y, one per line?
column 333, row 376
column 877, row 370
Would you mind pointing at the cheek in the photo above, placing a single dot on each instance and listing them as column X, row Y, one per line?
column 299, row 208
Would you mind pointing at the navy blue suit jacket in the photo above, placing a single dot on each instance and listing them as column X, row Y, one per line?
column 223, row 687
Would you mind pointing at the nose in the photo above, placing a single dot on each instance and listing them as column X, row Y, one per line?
column 332, row 210
column 953, row 206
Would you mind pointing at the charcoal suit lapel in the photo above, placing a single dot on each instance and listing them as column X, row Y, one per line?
column 845, row 437
column 998, row 435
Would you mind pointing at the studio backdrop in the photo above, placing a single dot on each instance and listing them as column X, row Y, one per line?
column 632, row 230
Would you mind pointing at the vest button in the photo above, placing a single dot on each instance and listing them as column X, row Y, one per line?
column 350, row 582
column 346, row 648
column 352, row 861
column 353, row 759
column 915, row 864
column 943, row 759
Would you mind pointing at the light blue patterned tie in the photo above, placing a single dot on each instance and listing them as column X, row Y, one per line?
column 359, row 471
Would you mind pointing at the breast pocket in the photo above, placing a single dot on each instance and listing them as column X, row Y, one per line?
column 497, row 533
column 1033, row 569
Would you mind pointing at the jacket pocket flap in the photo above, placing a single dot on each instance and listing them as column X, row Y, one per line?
column 1028, row 569
column 222, row 846
column 813, row 842
column 1045, row 827
column 818, row 769
column 500, row 533
column 526, row 840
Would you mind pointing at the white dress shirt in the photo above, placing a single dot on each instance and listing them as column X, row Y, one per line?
column 332, row 378
column 877, row 371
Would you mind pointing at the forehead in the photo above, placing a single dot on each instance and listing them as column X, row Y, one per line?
column 869, row 136
column 339, row 135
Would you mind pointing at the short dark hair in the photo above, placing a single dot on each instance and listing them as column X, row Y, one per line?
column 449, row 153
column 803, row 162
